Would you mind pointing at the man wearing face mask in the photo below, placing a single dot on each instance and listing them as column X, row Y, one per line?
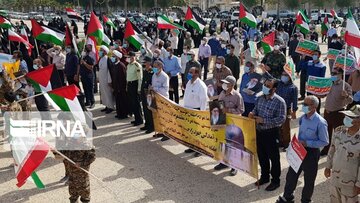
column 336, row 101
column 269, row 114
column 233, row 63
column 71, row 66
column 134, row 78
column 342, row 166
column 105, row 80
column 144, row 52
column 334, row 43
column 191, row 63
column 237, row 42
column 146, row 83
column 58, row 59
column 233, row 103
column 250, row 85
column 86, row 72
column 312, row 135
column 156, row 55
column 204, row 55
column 215, row 46
column 274, row 62
column 289, row 92
column 220, row 72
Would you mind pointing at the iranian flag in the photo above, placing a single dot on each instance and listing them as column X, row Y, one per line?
column 95, row 28
column 5, row 23
column 28, row 153
column 66, row 100
column 46, row 34
column 71, row 13
column 132, row 36
column 247, row 17
column 194, row 20
column 301, row 23
column 108, row 22
column 164, row 23
column 352, row 35
column 334, row 14
column 14, row 37
column 325, row 26
column 268, row 42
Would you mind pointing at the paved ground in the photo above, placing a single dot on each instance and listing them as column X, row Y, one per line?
column 134, row 167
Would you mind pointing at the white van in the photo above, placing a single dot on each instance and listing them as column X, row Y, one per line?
column 235, row 15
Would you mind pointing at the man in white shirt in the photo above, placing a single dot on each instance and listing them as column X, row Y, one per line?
column 174, row 41
column 225, row 35
column 195, row 95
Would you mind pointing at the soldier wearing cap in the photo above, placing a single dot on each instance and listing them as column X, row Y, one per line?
column 134, row 79
column 233, row 103
column 342, row 166
column 146, row 83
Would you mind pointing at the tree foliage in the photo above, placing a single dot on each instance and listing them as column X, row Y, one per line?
column 345, row 3
column 292, row 4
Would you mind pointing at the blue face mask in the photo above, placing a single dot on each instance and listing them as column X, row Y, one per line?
column 305, row 109
column 334, row 78
column 35, row 67
column 284, row 79
column 227, row 51
column 315, row 57
column 189, row 76
column 113, row 59
column 189, row 57
column 125, row 46
column 348, row 122
column 155, row 70
column 247, row 69
column 265, row 90
column 116, row 46
column 101, row 53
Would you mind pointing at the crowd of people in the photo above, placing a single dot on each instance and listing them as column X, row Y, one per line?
column 256, row 87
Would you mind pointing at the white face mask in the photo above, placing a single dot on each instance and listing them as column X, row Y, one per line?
column 276, row 47
column 224, row 86
column 218, row 66
column 156, row 55
column 128, row 60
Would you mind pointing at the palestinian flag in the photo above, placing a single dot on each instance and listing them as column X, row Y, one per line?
column 70, row 39
column 247, row 17
column 268, row 42
column 134, row 36
column 44, row 79
column 106, row 40
column 66, row 100
column 334, row 14
column 301, row 23
column 46, row 34
column 164, row 23
column 352, row 36
column 325, row 26
column 73, row 14
column 24, row 35
column 108, row 22
column 4, row 23
column 28, row 153
column 95, row 28
column 193, row 20
column 14, row 37
column 303, row 15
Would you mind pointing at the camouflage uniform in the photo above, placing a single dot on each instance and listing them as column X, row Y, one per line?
column 79, row 182
column 276, row 62
column 343, row 160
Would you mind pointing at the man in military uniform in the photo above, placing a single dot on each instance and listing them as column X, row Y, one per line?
column 79, row 182
column 274, row 62
column 146, row 82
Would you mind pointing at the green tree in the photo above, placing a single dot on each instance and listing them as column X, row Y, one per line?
column 344, row 3
column 292, row 4
column 250, row 3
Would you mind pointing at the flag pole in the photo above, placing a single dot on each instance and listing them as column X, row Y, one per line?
column 33, row 96
column 37, row 48
column 10, row 47
column 345, row 66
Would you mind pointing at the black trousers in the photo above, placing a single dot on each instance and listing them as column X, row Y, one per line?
column 87, row 81
column 62, row 77
column 132, row 88
column 310, row 168
column 268, row 150
column 149, row 122
column 205, row 66
column 302, row 83
column 70, row 80
column 174, row 93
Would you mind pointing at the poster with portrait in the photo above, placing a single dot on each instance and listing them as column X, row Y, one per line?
column 217, row 114
column 211, row 89
column 150, row 100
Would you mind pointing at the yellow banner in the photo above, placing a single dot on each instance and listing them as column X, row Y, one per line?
column 192, row 129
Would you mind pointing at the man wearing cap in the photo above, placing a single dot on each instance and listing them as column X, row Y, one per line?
column 58, row 59
column 105, row 81
column 172, row 68
column 288, row 91
column 342, row 166
column 312, row 135
column 233, row 63
column 233, row 103
column 146, row 83
column 204, row 55
column 118, row 76
column 134, row 80
column 195, row 95
column 269, row 114
column 220, row 72
column 191, row 63
column 336, row 101
column 274, row 62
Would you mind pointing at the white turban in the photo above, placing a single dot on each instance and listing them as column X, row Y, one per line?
column 117, row 54
column 103, row 47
